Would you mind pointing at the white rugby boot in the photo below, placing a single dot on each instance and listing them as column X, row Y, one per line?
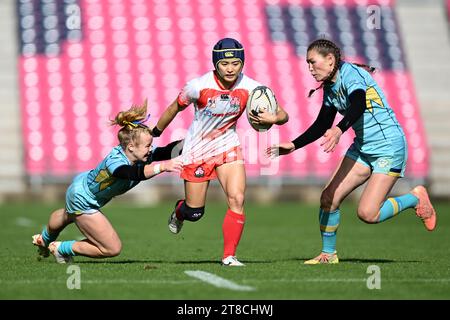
column 231, row 261
column 53, row 247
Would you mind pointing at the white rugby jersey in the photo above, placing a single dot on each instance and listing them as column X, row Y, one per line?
column 213, row 130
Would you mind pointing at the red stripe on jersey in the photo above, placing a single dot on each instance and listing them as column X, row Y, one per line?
column 206, row 95
column 181, row 101
column 220, row 131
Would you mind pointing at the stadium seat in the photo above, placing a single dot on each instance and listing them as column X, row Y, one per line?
column 81, row 62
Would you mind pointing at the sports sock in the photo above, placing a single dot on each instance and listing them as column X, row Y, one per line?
column 180, row 206
column 393, row 206
column 65, row 248
column 232, row 227
column 48, row 237
column 329, row 223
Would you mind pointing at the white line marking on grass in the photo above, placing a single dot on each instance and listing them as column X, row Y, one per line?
column 348, row 280
column 126, row 281
column 319, row 280
column 105, row 281
column 24, row 222
column 217, row 281
column 180, row 282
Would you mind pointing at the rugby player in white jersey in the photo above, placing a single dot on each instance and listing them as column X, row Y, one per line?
column 211, row 147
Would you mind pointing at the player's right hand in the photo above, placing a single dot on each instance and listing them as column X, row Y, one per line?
column 262, row 118
column 331, row 139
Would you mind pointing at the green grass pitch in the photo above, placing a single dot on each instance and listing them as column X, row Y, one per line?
column 413, row 263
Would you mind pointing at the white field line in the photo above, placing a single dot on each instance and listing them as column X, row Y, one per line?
column 444, row 280
column 217, row 281
column 24, row 222
column 105, row 281
column 256, row 281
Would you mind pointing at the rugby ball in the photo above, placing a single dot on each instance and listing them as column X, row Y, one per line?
column 261, row 98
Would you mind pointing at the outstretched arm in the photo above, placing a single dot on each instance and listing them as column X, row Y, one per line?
column 323, row 121
column 166, row 118
column 170, row 151
column 141, row 171
column 356, row 109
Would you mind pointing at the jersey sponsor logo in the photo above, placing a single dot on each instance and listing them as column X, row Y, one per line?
column 218, row 102
column 208, row 113
column 224, row 114
column 211, row 104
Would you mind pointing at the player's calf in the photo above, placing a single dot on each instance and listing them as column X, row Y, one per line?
column 183, row 212
column 110, row 250
column 368, row 214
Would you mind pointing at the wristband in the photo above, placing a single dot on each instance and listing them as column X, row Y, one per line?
column 157, row 168
column 156, row 132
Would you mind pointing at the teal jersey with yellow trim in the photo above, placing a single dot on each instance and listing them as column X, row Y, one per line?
column 100, row 183
column 378, row 123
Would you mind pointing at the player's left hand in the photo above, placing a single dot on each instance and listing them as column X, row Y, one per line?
column 331, row 139
column 174, row 165
column 263, row 117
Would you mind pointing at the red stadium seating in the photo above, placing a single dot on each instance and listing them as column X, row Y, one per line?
column 83, row 61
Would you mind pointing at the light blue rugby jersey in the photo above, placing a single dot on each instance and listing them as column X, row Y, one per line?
column 378, row 123
column 99, row 183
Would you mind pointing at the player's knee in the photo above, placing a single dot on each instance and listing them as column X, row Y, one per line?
column 112, row 250
column 236, row 200
column 193, row 214
column 368, row 215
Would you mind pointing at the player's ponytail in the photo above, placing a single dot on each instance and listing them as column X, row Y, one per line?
column 133, row 117
column 366, row 67
column 311, row 92
column 325, row 47
column 132, row 123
